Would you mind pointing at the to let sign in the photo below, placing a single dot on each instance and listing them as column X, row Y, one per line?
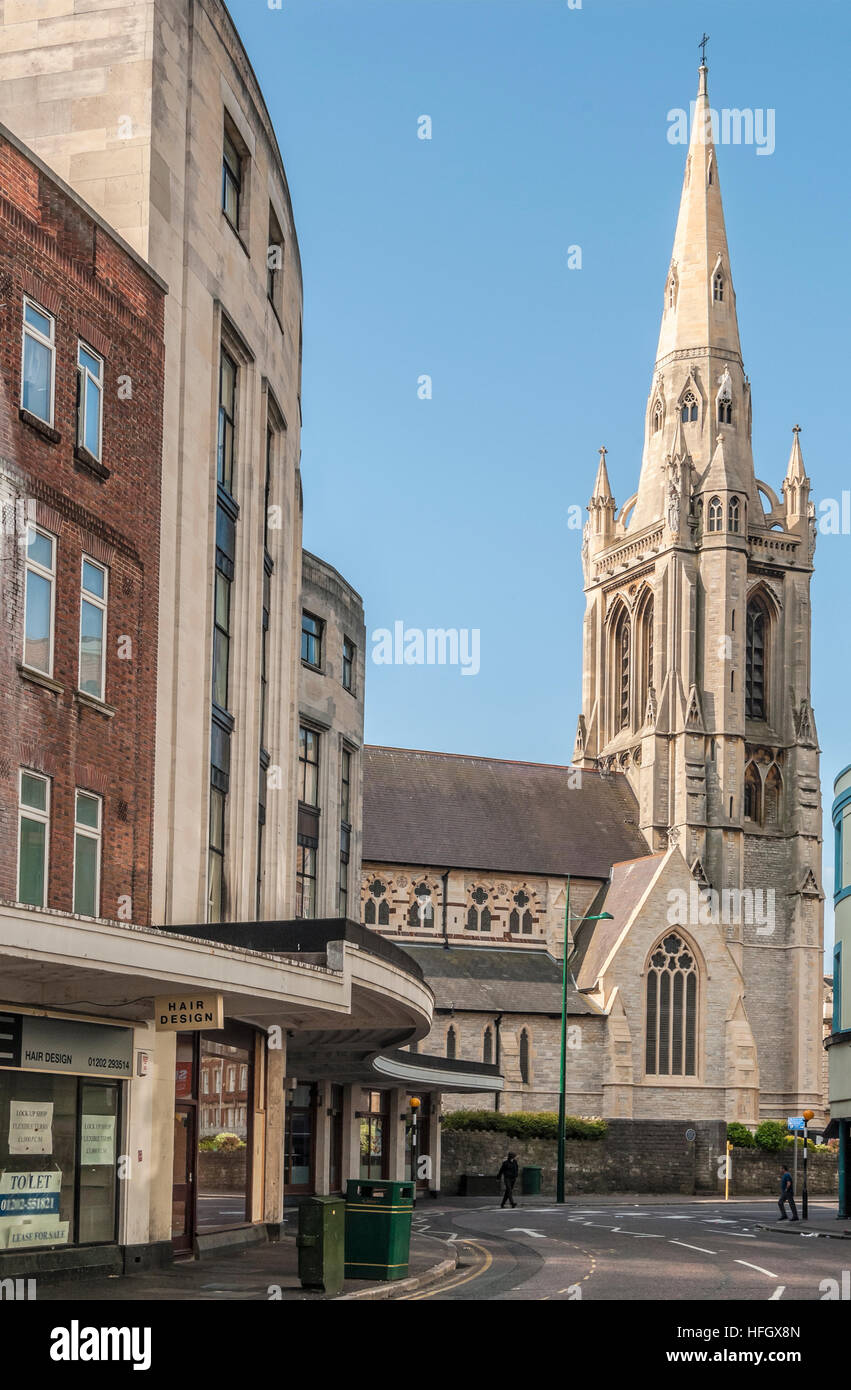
column 174, row 1014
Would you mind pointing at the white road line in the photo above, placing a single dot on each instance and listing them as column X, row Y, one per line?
column 757, row 1267
column 737, row 1235
column 778, row 1292
column 686, row 1246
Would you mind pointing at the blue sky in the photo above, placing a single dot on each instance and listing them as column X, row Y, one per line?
column 449, row 257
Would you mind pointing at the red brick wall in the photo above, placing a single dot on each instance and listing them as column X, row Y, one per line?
column 50, row 247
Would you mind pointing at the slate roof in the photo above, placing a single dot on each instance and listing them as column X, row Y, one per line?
column 490, row 980
column 463, row 812
column 594, row 940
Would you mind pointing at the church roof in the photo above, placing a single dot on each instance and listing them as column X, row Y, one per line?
column 448, row 810
column 596, row 940
column 493, row 980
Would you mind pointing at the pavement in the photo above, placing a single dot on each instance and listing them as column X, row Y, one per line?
column 261, row 1272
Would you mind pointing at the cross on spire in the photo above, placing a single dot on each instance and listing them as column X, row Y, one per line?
column 702, row 46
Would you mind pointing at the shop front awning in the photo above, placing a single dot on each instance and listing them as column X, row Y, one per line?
column 317, row 1057
column 334, row 978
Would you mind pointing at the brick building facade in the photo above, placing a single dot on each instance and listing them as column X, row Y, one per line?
column 81, row 367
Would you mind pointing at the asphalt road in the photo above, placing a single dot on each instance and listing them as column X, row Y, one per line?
column 674, row 1252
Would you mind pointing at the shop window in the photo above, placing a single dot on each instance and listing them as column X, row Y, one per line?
column 224, row 1136
column 58, row 1151
column 373, row 1125
column 299, row 1139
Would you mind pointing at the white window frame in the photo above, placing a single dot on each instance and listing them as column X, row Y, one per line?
column 85, row 376
column 32, row 813
column 50, row 576
column 90, row 834
column 86, row 596
column 30, row 332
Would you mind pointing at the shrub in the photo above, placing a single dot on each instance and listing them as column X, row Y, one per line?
column 770, row 1136
column 740, row 1136
column 524, row 1124
column 221, row 1143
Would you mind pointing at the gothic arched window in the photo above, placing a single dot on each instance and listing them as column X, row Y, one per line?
column 753, row 794
column 689, row 408
column 646, row 653
column 733, row 514
column 487, row 1045
column 657, row 417
column 771, row 796
column 715, row 515
column 377, row 905
column 621, row 669
column 421, row 911
column 756, row 643
column 478, row 913
column 451, row 1044
column 718, row 287
column 671, row 1014
column 524, row 1058
column 725, row 412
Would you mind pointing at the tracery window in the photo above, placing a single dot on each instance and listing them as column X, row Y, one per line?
column 479, row 914
column 733, row 514
column 715, row 515
column 718, row 287
column 671, row 1013
column 421, row 911
column 725, row 412
column 657, row 417
column 688, row 410
column 377, row 908
column 520, row 918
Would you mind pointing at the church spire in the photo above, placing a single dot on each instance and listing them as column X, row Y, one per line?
column 699, row 385
column 602, row 488
column 700, row 304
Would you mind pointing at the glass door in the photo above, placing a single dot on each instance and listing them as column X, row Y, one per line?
column 298, row 1145
column 183, row 1180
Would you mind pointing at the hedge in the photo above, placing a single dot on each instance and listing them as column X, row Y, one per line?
column 524, row 1124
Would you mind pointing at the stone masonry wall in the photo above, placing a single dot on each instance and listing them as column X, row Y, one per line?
column 644, row 1156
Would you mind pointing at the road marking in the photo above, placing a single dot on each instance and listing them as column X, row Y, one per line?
column 455, row 1283
column 778, row 1293
column 685, row 1246
column 644, row 1235
column 525, row 1231
column 737, row 1235
column 758, row 1267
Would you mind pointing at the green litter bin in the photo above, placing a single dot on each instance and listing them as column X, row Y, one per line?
column 378, row 1229
column 321, row 1242
column 530, row 1182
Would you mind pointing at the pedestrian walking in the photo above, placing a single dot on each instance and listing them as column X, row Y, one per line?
column 786, row 1195
column 508, row 1173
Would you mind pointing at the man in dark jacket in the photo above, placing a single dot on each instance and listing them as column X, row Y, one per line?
column 786, row 1195
column 508, row 1173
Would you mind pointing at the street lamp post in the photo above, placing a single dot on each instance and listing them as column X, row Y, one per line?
column 600, row 916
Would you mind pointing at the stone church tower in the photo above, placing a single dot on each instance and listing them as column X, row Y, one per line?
column 696, row 654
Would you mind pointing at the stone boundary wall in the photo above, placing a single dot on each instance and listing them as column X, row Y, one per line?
column 652, row 1156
